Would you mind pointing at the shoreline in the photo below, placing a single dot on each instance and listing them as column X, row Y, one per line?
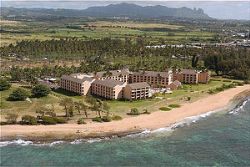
column 132, row 125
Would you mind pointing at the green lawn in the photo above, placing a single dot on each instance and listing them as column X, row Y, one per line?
column 125, row 106
column 119, row 107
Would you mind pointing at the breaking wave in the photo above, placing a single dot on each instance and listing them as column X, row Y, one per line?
column 146, row 132
column 240, row 108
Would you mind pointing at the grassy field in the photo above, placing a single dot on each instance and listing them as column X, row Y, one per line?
column 116, row 107
column 15, row 31
column 132, row 24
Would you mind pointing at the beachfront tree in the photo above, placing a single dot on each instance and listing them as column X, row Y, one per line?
column 67, row 103
column 11, row 118
column 80, row 106
column 19, row 94
column 4, row 85
column 97, row 107
column 40, row 90
column 105, row 108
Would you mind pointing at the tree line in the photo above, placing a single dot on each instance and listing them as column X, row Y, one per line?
column 108, row 54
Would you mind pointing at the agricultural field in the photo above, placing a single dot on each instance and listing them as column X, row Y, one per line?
column 132, row 24
column 14, row 31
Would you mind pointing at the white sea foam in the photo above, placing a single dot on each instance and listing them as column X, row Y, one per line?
column 77, row 141
column 56, row 142
column 186, row 122
column 15, row 142
column 94, row 140
column 240, row 108
column 145, row 132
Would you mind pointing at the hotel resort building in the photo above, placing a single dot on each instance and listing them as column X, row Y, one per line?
column 120, row 75
column 136, row 91
column 78, row 83
column 190, row 76
column 122, row 84
column 153, row 78
column 108, row 88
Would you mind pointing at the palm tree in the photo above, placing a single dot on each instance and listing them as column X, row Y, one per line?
column 105, row 108
column 81, row 106
column 67, row 103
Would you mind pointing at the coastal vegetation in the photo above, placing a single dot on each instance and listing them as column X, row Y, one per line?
column 19, row 94
column 53, row 105
column 4, row 85
column 108, row 54
column 40, row 90
column 165, row 108
column 174, row 105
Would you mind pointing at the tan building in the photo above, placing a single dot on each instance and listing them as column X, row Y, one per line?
column 120, row 75
column 78, row 83
column 135, row 91
column 153, row 78
column 191, row 76
column 204, row 77
column 108, row 88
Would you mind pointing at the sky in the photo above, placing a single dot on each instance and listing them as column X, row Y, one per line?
column 217, row 9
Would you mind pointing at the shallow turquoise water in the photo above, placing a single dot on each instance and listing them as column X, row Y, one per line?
column 222, row 139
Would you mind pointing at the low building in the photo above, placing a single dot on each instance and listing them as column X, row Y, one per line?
column 78, row 83
column 204, row 77
column 108, row 88
column 120, row 75
column 190, row 76
column 136, row 91
column 153, row 78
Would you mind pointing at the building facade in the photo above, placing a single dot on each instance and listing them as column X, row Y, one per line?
column 153, row 78
column 108, row 88
column 136, row 91
column 190, row 76
column 119, row 75
column 204, row 77
column 78, row 83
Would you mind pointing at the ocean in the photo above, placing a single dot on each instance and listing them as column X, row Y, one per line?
column 214, row 139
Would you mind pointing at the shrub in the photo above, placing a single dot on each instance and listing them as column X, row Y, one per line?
column 106, row 119
column 4, row 85
column 11, row 118
column 29, row 120
column 174, row 105
column 146, row 111
column 116, row 118
column 226, row 81
column 210, row 91
column 60, row 120
column 19, row 95
column 4, row 123
column 48, row 120
column 40, row 90
column 165, row 109
column 81, row 121
column 188, row 98
column 246, row 82
column 240, row 84
column 97, row 119
column 134, row 111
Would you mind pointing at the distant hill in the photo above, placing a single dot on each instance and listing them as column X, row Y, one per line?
column 113, row 10
column 132, row 10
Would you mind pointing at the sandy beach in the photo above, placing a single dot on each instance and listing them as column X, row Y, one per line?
column 127, row 125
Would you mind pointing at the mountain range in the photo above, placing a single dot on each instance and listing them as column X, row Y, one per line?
column 112, row 10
